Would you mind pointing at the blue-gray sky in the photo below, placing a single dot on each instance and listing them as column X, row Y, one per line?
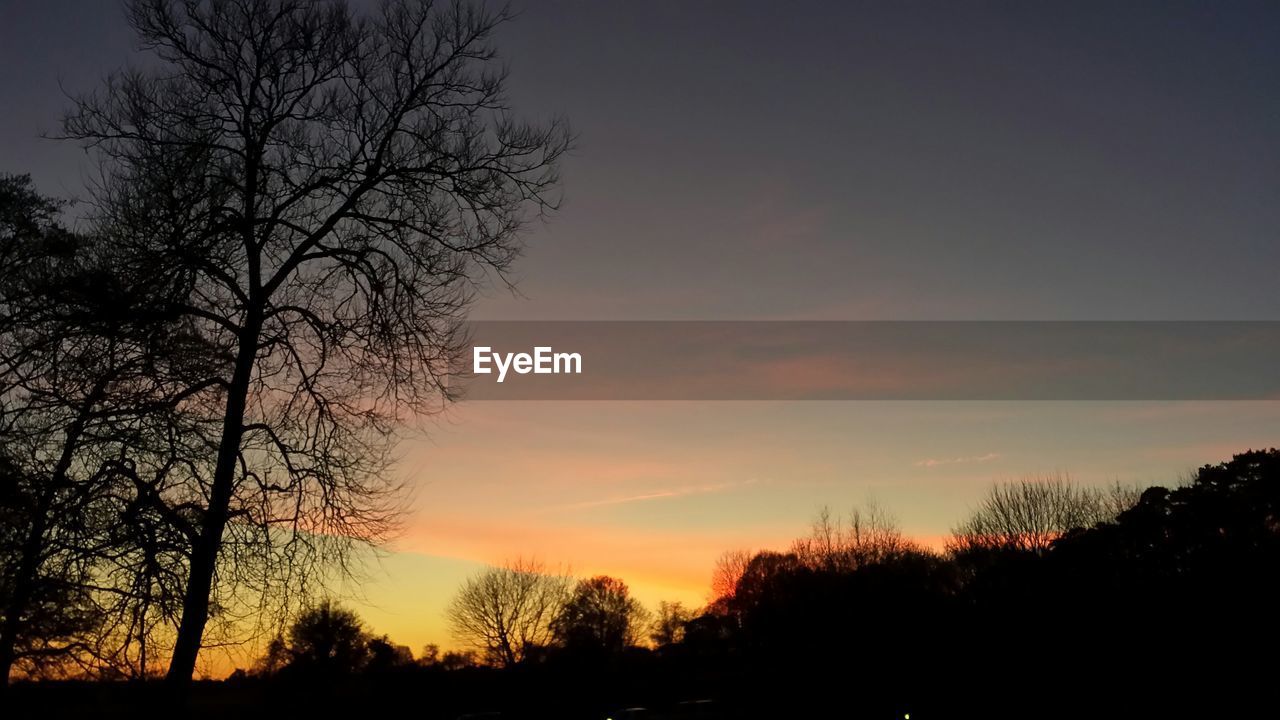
column 852, row 159
column 849, row 159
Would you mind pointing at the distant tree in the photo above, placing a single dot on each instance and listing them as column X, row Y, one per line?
column 1117, row 498
column 600, row 616
column 323, row 190
column 506, row 612
column 385, row 655
column 1187, row 572
column 1218, row 533
column 430, row 655
column 710, row 633
column 869, row 535
column 669, row 623
column 459, row 660
column 760, row 580
column 728, row 570
column 327, row 638
column 1029, row 515
column 274, row 660
column 1129, row 586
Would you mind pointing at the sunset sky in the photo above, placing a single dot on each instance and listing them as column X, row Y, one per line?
column 804, row 160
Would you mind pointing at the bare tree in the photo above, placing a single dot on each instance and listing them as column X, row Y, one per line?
column 506, row 612
column 1028, row 515
column 728, row 570
column 869, row 535
column 1115, row 498
column 324, row 189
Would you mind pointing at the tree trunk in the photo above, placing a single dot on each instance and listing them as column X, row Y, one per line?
column 205, row 549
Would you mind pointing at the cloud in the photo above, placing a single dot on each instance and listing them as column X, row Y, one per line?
column 656, row 495
column 933, row 462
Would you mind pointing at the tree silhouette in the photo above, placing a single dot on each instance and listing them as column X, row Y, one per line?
column 1029, row 515
column 70, row 383
column 506, row 612
column 46, row 615
column 459, row 660
column 30, row 238
column 386, row 656
column 728, row 570
column 669, row 623
column 868, row 536
column 1215, row 538
column 600, row 616
column 327, row 639
column 322, row 191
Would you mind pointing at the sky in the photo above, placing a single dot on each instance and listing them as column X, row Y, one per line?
column 805, row 160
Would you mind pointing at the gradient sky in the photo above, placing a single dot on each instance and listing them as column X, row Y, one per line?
column 770, row 160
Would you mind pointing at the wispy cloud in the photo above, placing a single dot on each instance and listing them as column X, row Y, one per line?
column 655, row 495
column 935, row 462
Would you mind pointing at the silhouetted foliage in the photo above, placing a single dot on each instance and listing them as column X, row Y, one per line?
column 669, row 623
column 59, row 378
column 860, row 585
column 459, row 660
column 46, row 613
column 94, row 365
column 386, row 656
column 1134, row 588
column 37, row 605
column 327, row 639
column 1211, row 546
column 600, row 617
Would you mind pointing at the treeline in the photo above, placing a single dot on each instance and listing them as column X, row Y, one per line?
column 509, row 616
column 1050, row 599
